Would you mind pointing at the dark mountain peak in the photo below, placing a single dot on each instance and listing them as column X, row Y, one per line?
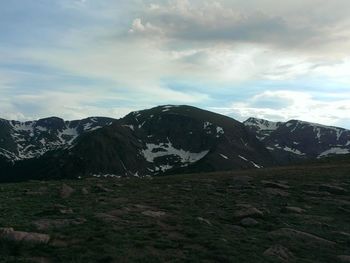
column 162, row 140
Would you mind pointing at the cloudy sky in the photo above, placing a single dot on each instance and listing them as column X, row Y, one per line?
column 272, row 59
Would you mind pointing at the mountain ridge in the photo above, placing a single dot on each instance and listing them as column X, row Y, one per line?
column 295, row 140
column 162, row 140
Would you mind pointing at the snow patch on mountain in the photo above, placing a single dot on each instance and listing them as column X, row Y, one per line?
column 224, row 156
column 334, row 150
column 154, row 151
column 295, row 151
column 262, row 124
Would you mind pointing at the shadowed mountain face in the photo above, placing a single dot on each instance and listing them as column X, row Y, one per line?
column 161, row 140
column 297, row 140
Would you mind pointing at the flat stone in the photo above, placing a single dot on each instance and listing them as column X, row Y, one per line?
column 63, row 209
column 66, row 191
column 308, row 239
column 155, row 214
column 241, row 182
column 276, row 192
column 342, row 234
column 293, row 209
column 204, row 220
column 344, row 258
column 40, row 260
column 274, row 185
column 316, row 193
column 107, row 217
column 279, row 253
column 101, row 188
column 237, row 229
column 45, row 224
column 249, row 212
column 249, row 222
column 84, row 191
column 332, row 189
column 21, row 236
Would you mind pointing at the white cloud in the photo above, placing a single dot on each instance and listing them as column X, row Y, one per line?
column 285, row 105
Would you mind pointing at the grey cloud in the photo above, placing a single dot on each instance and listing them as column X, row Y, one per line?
column 223, row 22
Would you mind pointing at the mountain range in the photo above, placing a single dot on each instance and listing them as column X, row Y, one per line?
column 163, row 140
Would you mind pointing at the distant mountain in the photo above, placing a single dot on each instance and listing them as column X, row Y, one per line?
column 25, row 140
column 297, row 140
column 162, row 140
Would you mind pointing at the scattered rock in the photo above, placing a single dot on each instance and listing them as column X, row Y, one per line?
column 237, row 229
column 142, row 207
column 45, row 224
column 66, row 191
column 280, row 253
column 106, row 217
column 155, row 214
column 271, row 184
column 332, row 189
column 293, row 209
column 84, row 191
column 241, row 182
column 59, row 243
column 249, row 222
column 204, row 220
column 342, row 234
column 277, row 192
column 344, row 258
column 249, row 212
column 33, row 193
column 101, row 188
column 303, row 237
column 316, row 193
column 63, row 209
column 43, row 189
column 119, row 200
column 21, row 236
column 40, row 260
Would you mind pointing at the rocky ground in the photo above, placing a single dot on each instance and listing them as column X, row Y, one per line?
column 294, row 214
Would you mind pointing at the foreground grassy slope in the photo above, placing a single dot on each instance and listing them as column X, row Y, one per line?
column 193, row 218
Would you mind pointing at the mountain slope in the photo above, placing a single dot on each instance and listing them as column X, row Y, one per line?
column 162, row 140
column 25, row 140
column 295, row 140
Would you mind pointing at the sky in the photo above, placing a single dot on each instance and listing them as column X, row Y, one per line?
column 277, row 60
